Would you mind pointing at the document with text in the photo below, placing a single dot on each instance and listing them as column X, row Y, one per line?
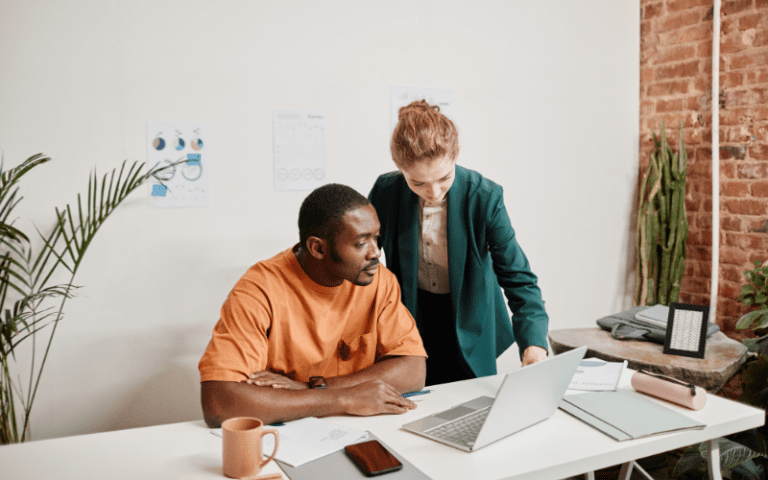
column 594, row 374
column 308, row 439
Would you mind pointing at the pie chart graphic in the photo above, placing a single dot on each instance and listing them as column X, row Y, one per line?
column 168, row 174
column 196, row 144
column 178, row 144
column 158, row 143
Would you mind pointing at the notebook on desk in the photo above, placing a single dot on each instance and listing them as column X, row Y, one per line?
column 526, row 396
column 626, row 415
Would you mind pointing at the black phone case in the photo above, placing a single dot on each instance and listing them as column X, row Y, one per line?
column 372, row 458
column 339, row 465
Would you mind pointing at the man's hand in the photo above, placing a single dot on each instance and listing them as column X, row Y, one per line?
column 534, row 354
column 264, row 378
column 374, row 397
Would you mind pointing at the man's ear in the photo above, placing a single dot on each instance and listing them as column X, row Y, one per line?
column 317, row 247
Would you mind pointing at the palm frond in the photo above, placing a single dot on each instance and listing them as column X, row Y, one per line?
column 12, row 338
column 77, row 225
column 49, row 249
column 6, row 227
column 11, row 177
column 16, row 319
column 17, row 281
column 34, row 327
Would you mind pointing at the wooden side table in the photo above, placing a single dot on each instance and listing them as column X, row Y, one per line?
column 722, row 358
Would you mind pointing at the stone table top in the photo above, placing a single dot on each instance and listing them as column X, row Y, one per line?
column 722, row 358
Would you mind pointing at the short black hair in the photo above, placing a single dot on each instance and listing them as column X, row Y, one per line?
column 321, row 213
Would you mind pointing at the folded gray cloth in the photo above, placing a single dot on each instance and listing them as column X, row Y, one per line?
column 624, row 326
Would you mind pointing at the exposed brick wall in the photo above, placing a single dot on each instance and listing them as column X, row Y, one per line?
column 675, row 85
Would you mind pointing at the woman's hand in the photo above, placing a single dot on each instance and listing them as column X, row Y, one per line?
column 534, row 354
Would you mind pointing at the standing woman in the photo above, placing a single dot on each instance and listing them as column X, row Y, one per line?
column 448, row 239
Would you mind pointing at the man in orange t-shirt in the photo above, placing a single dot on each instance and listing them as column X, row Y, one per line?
column 318, row 329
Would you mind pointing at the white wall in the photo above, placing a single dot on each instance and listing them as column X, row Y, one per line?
column 547, row 106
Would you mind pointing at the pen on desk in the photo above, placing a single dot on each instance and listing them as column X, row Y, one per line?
column 411, row 394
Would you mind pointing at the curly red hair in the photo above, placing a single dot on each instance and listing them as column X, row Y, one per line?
column 423, row 133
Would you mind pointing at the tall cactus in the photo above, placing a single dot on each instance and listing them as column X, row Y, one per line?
column 662, row 225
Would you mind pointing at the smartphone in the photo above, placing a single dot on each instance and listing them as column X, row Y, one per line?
column 372, row 458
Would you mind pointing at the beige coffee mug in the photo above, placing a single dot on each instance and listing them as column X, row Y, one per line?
column 242, row 446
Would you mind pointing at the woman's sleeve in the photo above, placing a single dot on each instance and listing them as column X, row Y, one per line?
column 530, row 321
column 375, row 198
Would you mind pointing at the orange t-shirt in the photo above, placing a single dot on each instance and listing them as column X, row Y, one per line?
column 276, row 318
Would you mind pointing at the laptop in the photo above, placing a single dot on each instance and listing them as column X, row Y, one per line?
column 526, row 396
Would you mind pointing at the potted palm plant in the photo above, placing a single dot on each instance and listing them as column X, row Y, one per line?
column 30, row 302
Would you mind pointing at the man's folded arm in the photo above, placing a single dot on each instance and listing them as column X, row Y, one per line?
column 222, row 400
column 406, row 373
column 363, row 393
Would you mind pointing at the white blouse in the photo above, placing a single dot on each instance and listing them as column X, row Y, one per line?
column 433, row 247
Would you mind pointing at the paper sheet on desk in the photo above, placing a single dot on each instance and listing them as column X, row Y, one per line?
column 308, row 439
column 594, row 374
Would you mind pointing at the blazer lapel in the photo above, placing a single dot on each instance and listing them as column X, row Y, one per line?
column 408, row 242
column 457, row 237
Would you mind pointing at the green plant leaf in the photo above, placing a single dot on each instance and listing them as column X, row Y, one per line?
column 754, row 375
column 8, row 231
column 690, row 460
column 749, row 470
column 731, row 453
column 40, row 264
column 746, row 320
column 747, row 289
column 761, row 320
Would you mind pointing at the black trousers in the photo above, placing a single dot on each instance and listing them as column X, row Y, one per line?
column 437, row 327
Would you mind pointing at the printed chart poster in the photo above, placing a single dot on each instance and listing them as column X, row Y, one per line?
column 301, row 159
column 186, row 184
column 402, row 96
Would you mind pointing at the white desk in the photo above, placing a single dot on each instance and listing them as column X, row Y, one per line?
column 554, row 449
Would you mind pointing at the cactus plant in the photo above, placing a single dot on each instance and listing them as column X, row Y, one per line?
column 662, row 224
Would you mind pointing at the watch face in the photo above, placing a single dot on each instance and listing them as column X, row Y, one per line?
column 317, row 382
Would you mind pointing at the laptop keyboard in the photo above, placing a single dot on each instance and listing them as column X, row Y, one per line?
column 463, row 430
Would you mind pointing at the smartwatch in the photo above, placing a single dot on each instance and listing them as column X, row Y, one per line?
column 317, row 382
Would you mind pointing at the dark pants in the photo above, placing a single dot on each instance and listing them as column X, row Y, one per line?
column 437, row 327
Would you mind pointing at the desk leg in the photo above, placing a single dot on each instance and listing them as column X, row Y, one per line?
column 713, row 460
column 626, row 471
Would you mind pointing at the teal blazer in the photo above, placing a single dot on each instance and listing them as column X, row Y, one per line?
column 482, row 254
